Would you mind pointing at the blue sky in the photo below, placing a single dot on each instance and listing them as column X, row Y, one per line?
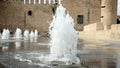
column 118, row 12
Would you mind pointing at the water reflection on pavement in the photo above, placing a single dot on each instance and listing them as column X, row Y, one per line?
column 93, row 53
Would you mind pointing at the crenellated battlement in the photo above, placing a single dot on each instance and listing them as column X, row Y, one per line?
column 42, row 1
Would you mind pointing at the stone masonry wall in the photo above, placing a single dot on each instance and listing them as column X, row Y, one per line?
column 13, row 13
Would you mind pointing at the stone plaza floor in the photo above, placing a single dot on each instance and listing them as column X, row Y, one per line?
column 92, row 54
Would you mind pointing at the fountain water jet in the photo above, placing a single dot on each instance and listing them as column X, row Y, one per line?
column 63, row 37
column 26, row 35
column 34, row 1
column 36, row 36
column 49, row 1
column 4, row 48
column 44, row 1
column 32, row 35
column 63, row 44
column 18, row 33
column 5, row 34
column 39, row 2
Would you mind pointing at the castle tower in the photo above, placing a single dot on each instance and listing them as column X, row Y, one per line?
column 108, row 13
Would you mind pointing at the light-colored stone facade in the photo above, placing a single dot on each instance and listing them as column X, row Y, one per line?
column 94, row 27
column 14, row 13
column 112, row 34
column 109, row 22
column 108, row 13
column 90, row 9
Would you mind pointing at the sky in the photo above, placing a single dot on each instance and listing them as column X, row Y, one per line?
column 118, row 12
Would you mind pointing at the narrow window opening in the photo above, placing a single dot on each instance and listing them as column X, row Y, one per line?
column 102, row 6
column 80, row 19
column 30, row 13
column 118, row 21
column 102, row 16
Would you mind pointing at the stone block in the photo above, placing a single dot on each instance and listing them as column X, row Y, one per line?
column 115, row 27
column 101, row 34
column 93, row 27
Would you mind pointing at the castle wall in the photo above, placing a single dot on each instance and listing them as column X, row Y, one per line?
column 90, row 9
column 14, row 13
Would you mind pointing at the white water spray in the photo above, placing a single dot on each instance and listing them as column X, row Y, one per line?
column 18, row 33
column 39, row 2
column 29, row 1
column 63, row 37
column 36, row 36
column 44, row 1
column 63, row 44
column 26, row 35
column 5, row 34
column 32, row 35
column 34, row 1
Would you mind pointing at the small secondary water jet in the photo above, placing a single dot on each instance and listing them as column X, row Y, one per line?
column 3, row 34
column 32, row 36
column 36, row 36
column 63, row 38
column 6, row 34
column 26, row 35
column 18, row 33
